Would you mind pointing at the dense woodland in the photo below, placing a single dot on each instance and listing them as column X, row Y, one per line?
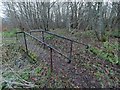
column 97, row 16
column 95, row 24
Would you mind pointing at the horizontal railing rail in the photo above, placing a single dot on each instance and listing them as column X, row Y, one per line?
column 63, row 37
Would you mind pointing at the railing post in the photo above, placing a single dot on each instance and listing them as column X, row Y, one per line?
column 16, row 37
column 51, row 63
column 25, row 43
column 43, row 39
column 70, row 57
column 30, row 32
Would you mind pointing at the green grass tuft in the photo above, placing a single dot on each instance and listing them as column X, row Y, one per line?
column 49, row 37
column 10, row 33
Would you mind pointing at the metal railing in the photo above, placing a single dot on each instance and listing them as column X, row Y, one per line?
column 45, row 44
column 50, row 47
column 63, row 37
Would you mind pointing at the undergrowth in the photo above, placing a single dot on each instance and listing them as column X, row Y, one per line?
column 49, row 37
column 10, row 33
column 107, row 52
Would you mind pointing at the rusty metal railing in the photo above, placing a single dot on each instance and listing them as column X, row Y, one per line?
column 45, row 44
column 63, row 37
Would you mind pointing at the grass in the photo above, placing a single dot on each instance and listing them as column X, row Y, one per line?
column 49, row 37
column 114, row 33
column 44, row 79
column 89, row 33
column 108, row 50
column 8, row 36
column 10, row 33
column 85, row 34
column 6, row 41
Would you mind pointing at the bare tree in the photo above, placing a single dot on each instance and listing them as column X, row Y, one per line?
column 97, row 16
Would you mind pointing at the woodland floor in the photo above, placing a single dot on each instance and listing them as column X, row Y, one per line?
column 85, row 71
